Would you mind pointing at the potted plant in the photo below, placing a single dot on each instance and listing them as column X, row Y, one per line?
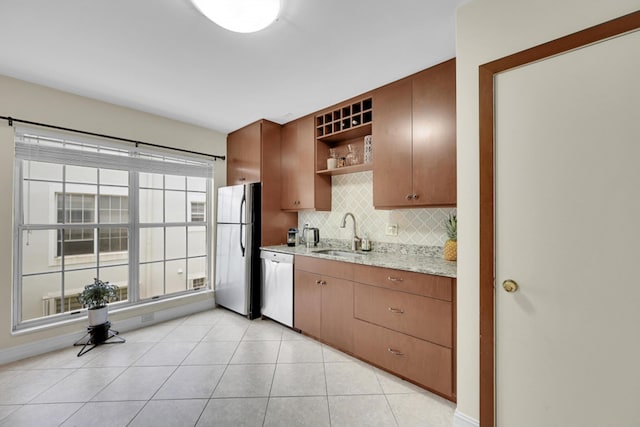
column 95, row 297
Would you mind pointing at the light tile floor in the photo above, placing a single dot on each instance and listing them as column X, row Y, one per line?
column 211, row 368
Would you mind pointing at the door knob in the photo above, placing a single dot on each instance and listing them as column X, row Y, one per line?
column 510, row 285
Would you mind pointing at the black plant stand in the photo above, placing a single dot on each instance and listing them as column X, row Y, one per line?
column 97, row 335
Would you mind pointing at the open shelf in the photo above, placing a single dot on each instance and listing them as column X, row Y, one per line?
column 340, row 127
column 347, row 169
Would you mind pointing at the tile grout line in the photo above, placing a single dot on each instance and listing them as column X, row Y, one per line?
column 386, row 398
column 326, row 383
column 273, row 376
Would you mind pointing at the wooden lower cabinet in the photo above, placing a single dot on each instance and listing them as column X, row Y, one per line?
column 422, row 362
column 323, row 305
column 425, row 318
column 307, row 301
column 400, row 321
column 405, row 323
column 427, row 285
column 337, row 313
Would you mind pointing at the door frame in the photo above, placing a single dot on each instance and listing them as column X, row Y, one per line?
column 487, row 72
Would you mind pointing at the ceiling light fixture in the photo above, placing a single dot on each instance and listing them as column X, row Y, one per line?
column 241, row 16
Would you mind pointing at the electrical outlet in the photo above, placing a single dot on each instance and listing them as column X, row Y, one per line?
column 391, row 230
column 147, row 317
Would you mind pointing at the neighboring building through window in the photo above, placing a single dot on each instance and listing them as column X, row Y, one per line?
column 93, row 208
column 81, row 208
column 197, row 211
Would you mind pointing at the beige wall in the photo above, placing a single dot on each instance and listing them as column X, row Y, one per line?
column 488, row 30
column 39, row 104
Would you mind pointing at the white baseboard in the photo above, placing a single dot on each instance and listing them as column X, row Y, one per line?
column 35, row 348
column 66, row 340
column 462, row 420
column 160, row 316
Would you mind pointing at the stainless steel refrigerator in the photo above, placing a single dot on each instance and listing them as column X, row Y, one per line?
column 237, row 283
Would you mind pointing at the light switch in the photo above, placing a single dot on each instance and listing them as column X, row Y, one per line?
column 391, row 230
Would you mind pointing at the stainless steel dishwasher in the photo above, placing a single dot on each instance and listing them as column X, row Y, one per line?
column 277, row 286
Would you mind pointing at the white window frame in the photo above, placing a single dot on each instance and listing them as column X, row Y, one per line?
column 54, row 149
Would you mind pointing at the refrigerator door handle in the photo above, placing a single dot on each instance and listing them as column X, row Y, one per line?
column 243, row 202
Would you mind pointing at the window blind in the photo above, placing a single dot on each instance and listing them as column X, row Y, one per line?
column 66, row 148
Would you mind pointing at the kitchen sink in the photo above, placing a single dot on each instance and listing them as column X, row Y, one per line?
column 339, row 253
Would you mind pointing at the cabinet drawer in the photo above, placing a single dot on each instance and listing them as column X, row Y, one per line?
column 406, row 281
column 426, row 318
column 427, row 364
column 324, row 267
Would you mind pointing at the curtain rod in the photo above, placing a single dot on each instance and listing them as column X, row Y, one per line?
column 10, row 121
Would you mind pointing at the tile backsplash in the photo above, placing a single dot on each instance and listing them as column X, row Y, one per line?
column 354, row 193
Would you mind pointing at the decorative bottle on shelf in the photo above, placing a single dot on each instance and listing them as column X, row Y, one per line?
column 368, row 149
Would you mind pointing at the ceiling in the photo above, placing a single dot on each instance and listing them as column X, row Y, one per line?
column 165, row 58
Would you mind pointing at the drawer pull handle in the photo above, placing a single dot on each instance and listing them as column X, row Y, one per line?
column 395, row 352
column 396, row 310
column 318, row 282
column 323, row 282
column 395, row 279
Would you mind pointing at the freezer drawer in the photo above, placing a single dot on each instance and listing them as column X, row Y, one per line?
column 277, row 287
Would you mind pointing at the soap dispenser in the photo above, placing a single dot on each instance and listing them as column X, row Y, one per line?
column 365, row 243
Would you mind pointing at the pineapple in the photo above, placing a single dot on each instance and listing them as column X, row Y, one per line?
column 450, row 251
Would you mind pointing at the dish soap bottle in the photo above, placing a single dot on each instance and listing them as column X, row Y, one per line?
column 366, row 243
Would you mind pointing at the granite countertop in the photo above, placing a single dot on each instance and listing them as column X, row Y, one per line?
column 426, row 262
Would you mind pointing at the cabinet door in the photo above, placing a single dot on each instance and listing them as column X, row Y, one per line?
column 434, row 135
column 275, row 222
column 307, row 299
column 243, row 155
column 392, row 159
column 337, row 313
column 305, row 163
column 301, row 187
column 288, row 165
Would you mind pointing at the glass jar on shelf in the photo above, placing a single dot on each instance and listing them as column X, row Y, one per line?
column 332, row 161
column 353, row 156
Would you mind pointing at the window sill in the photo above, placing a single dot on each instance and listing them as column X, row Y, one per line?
column 81, row 317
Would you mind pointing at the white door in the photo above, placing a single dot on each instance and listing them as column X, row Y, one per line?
column 568, row 232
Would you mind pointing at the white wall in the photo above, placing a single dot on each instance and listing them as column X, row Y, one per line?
column 489, row 30
column 40, row 104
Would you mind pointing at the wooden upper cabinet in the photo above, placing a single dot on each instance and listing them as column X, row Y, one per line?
column 392, row 145
column 243, row 154
column 253, row 155
column 434, row 134
column 414, row 140
column 301, row 187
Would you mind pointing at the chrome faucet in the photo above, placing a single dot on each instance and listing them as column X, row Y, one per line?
column 355, row 242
